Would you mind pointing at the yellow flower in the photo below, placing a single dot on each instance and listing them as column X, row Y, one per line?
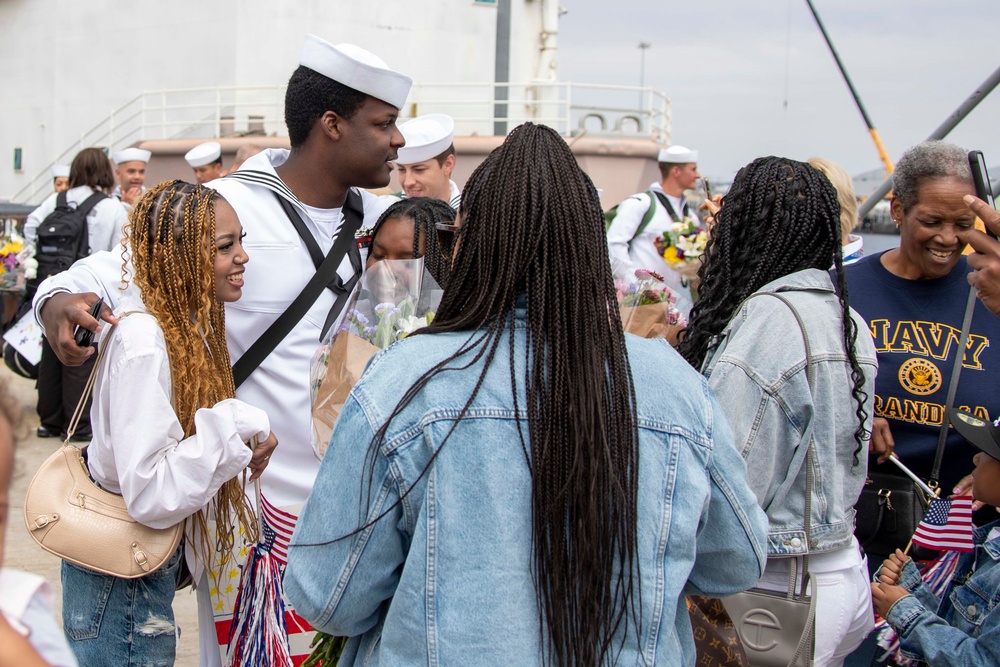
column 670, row 254
column 11, row 247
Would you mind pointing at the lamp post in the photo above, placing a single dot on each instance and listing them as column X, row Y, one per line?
column 642, row 69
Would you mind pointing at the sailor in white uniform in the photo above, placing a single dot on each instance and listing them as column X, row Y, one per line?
column 60, row 177
column 425, row 163
column 642, row 219
column 335, row 153
column 206, row 161
column 130, row 170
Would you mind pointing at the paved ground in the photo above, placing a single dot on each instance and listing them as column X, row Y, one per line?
column 22, row 552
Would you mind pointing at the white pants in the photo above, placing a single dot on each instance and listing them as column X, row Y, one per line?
column 839, row 582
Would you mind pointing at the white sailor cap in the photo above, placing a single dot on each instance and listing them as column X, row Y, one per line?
column 355, row 68
column 131, row 155
column 677, row 155
column 203, row 154
column 426, row 137
column 60, row 171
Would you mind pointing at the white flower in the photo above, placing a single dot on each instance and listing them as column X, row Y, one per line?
column 693, row 246
column 407, row 325
column 30, row 268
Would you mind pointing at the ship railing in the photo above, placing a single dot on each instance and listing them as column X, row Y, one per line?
column 490, row 109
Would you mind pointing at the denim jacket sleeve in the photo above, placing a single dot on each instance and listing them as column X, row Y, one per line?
column 327, row 580
column 733, row 530
column 926, row 636
column 910, row 579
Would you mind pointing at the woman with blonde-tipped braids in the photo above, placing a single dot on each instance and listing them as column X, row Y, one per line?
column 168, row 434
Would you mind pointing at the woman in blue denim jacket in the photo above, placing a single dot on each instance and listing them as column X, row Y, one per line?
column 508, row 485
column 965, row 631
column 777, row 233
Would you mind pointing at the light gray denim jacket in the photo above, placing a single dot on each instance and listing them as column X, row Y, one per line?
column 446, row 576
column 758, row 373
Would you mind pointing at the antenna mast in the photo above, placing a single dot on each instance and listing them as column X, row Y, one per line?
column 882, row 153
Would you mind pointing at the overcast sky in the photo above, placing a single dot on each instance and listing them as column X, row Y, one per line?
column 729, row 66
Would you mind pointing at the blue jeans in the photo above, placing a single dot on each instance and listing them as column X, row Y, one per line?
column 113, row 621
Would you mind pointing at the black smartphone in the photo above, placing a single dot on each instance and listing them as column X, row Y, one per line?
column 85, row 337
column 707, row 188
column 981, row 178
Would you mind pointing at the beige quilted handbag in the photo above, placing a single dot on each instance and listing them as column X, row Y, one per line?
column 71, row 517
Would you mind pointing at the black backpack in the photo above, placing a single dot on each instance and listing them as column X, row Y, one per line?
column 62, row 238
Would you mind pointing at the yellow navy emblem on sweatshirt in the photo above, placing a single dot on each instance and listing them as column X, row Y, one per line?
column 919, row 376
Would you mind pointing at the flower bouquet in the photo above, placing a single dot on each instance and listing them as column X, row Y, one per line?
column 648, row 307
column 13, row 256
column 393, row 299
column 683, row 245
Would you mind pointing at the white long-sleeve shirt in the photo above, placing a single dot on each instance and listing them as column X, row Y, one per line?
column 105, row 221
column 139, row 449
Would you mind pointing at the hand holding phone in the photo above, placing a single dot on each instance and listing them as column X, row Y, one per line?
column 85, row 337
column 981, row 179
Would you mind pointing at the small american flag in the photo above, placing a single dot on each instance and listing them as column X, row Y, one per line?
column 947, row 525
column 278, row 529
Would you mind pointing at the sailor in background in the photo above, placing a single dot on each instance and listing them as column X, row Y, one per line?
column 60, row 177
column 341, row 109
column 425, row 163
column 423, row 166
column 130, row 170
column 206, row 160
column 642, row 219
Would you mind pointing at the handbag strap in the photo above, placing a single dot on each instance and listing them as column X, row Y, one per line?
column 281, row 327
column 88, row 388
column 804, row 577
column 963, row 343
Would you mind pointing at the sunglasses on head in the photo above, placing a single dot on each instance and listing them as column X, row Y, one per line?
column 446, row 233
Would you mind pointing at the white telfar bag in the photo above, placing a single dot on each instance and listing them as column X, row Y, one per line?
column 779, row 629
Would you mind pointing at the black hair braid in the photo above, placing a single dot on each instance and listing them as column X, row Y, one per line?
column 780, row 216
column 581, row 424
column 857, row 375
column 425, row 212
column 533, row 241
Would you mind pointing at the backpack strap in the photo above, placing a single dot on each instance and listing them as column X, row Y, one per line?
column 263, row 346
column 647, row 217
column 670, row 207
column 83, row 242
column 87, row 204
column 337, row 285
